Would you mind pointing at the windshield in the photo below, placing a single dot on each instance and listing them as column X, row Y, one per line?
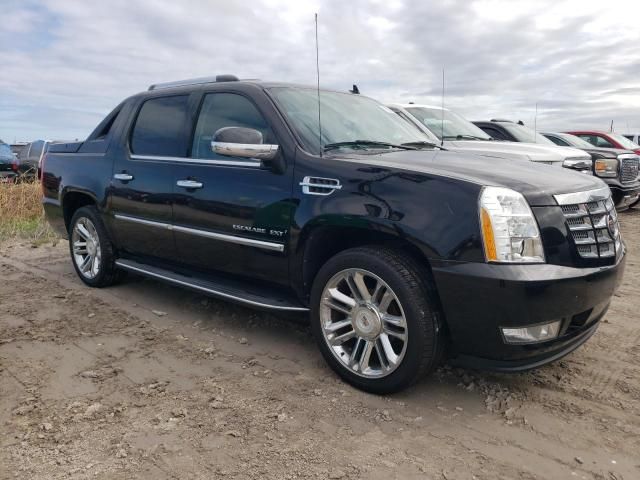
column 575, row 141
column 345, row 118
column 624, row 141
column 440, row 121
column 526, row 134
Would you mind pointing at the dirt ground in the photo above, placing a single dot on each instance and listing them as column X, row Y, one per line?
column 145, row 380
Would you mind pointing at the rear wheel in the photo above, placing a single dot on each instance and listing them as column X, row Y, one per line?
column 374, row 319
column 91, row 249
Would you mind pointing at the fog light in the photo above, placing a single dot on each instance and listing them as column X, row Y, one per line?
column 533, row 334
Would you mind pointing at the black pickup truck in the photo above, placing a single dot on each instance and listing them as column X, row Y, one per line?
column 398, row 250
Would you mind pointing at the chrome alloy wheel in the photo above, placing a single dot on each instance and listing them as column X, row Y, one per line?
column 86, row 248
column 363, row 323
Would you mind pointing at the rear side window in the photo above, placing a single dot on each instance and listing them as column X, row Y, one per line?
column 161, row 126
column 221, row 110
column 106, row 128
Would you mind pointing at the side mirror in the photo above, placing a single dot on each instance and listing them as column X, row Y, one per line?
column 584, row 166
column 242, row 142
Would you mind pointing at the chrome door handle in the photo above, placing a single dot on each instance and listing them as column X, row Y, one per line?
column 123, row 177
column 188, row 184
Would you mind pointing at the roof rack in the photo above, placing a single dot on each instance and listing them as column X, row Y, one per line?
column 194, row 81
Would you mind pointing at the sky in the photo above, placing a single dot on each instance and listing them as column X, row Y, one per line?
column 64, row 64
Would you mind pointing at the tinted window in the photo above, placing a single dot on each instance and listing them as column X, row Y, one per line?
column 220, row 110
column 161, row 127
column 558, row 141
column 588, row 138
column 603, row 142
column 108, row 124
column 494, row 133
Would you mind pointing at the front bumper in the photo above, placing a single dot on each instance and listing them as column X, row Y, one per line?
column 479, row 299
column 624, row 195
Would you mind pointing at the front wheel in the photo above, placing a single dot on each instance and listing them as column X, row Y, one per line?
column 91, row 249
column 374, row 319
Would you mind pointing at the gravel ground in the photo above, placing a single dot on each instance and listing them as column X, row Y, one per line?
column 145, row 380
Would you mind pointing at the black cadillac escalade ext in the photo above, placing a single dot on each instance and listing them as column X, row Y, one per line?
column 397, row 249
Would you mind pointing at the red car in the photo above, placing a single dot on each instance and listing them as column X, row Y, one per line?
column 607, row 139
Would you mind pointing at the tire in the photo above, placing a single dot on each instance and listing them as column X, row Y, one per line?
column 378, row 365
column 102, row 271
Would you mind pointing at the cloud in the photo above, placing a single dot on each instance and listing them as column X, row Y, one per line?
column 66, row 64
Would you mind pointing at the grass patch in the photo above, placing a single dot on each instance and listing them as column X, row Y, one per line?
column 21, row 213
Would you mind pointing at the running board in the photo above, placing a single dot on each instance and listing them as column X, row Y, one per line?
column 232, row 290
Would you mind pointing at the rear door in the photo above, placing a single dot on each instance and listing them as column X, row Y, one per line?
column 143, row 173
column 237, row 218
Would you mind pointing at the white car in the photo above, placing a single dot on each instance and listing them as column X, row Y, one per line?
column 458, row 134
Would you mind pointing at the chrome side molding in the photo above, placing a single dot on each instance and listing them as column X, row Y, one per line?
column 276, row 247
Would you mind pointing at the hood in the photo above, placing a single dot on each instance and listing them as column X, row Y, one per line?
column 523, row 151
column 608, row 152
column 538, row 183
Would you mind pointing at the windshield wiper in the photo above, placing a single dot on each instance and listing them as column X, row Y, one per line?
column 365, row 143
column 421, row 143
column 464, row 137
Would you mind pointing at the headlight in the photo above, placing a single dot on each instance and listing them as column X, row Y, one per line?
column 606, row 167
column 510, row 233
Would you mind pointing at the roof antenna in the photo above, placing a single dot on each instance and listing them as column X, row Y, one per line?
column 318, row 89
column 442, row 113
column 535, row 124
column 355, row 90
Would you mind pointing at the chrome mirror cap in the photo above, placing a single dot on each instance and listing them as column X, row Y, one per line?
column 242, row 142
column 260, row 151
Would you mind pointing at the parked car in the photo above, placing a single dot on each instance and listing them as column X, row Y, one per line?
column 606, row 139
column 634, row 137
column 394, row 248
column 459, row 134
column 618, row 168
column 9, row 163
column 20, row 149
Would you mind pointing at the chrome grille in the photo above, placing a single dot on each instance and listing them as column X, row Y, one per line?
column 629, row 168
column 593, row 223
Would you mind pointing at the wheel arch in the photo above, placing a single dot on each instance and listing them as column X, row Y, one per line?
column 318, row 244
column 72, row 200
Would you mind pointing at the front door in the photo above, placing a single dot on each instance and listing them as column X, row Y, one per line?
column 232, row 214
column 143, row 174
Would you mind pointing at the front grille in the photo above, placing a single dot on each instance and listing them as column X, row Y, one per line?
column 629, row 168
column 594, row 228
